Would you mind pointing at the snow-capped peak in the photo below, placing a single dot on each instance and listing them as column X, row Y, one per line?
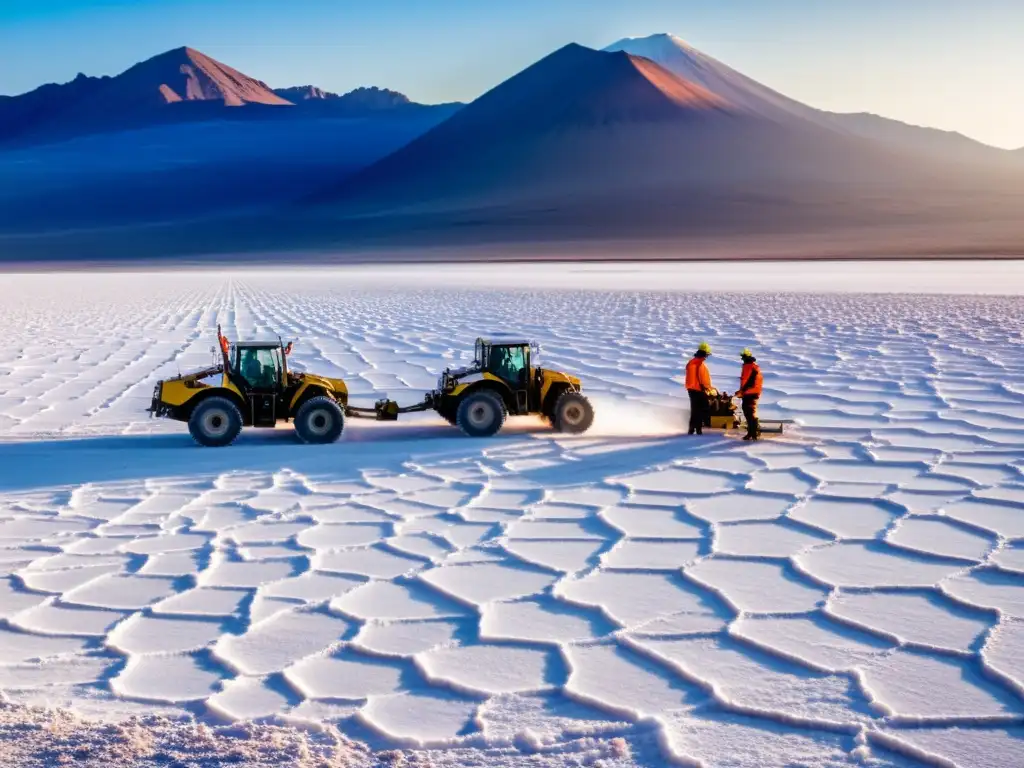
column 683, row 60
column 653, row 42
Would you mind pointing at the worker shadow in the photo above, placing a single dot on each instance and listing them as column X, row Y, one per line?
column 612, row 457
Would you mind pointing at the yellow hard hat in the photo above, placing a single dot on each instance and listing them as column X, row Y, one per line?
column 746, row 352
column 704, row 347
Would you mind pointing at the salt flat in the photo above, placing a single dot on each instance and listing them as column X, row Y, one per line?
column 850, row 593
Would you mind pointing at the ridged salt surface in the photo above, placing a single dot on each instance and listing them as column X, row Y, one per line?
column 850, row 593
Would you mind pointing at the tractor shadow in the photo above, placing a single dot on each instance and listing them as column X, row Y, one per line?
column 373, row 446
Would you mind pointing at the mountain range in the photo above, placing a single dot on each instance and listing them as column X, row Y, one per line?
column 178, row 86
column 647, row 141
column 610, row 142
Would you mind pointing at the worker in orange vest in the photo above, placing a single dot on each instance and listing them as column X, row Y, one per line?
column 751, row 382
column 698, row 386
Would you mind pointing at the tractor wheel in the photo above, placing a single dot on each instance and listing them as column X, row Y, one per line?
column 573, row 413
column 319, row 420
column 215, row 422
column 481, row 414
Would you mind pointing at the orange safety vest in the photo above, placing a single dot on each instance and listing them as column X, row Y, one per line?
column 698, row 377
column 750, row 380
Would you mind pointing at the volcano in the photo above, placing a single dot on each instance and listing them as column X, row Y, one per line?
column 589, row 143
column 689, row 63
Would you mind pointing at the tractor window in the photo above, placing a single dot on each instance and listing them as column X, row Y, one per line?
column 261, row 368
column 507, row 363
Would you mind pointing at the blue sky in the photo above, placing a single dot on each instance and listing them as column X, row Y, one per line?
column 952, row 64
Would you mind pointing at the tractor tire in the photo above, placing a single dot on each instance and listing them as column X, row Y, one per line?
column 319, row 420
column 215, row 422
column 481, row 414
column 572, row 413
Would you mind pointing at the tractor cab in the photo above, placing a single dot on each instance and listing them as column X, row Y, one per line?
column 260, row 364
column 256, row 365
column 259, row 371
column 259, row 374
column 510, row 360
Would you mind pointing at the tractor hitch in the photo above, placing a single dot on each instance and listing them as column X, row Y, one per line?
column 388, row 410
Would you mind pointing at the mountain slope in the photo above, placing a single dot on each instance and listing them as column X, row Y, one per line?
column 182, row 84
column 589, row 144
column 918, row 138
column 184, row 74
column 20, row 114
column 569, row 92
column 183, row 137
column 687, row 62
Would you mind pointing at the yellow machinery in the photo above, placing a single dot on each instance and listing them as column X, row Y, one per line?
column 724, row 415
column 252, row 386
column 723, row 411
column 502, row 381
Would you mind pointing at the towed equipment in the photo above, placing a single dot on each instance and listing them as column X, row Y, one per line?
column 723, row 415
column 256, row 389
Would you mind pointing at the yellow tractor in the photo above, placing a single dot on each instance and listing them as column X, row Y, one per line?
column 503, row 381
column 252, row 387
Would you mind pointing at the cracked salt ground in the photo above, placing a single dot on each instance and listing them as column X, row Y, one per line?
column 850, row 593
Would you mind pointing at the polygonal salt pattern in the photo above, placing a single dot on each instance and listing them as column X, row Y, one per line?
column 396, row 600
column 272, row 645
column 924, row 618
column 758, row 587
column 759, row 680
column 345, row 675
column 897, row 683
column 856, row 564
column 773, row 539
column 862, row 574
column 941, row 537
column 172, row 679
column 538, row 620
column 249, row 698
column 485, row 670
column 625, row 682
